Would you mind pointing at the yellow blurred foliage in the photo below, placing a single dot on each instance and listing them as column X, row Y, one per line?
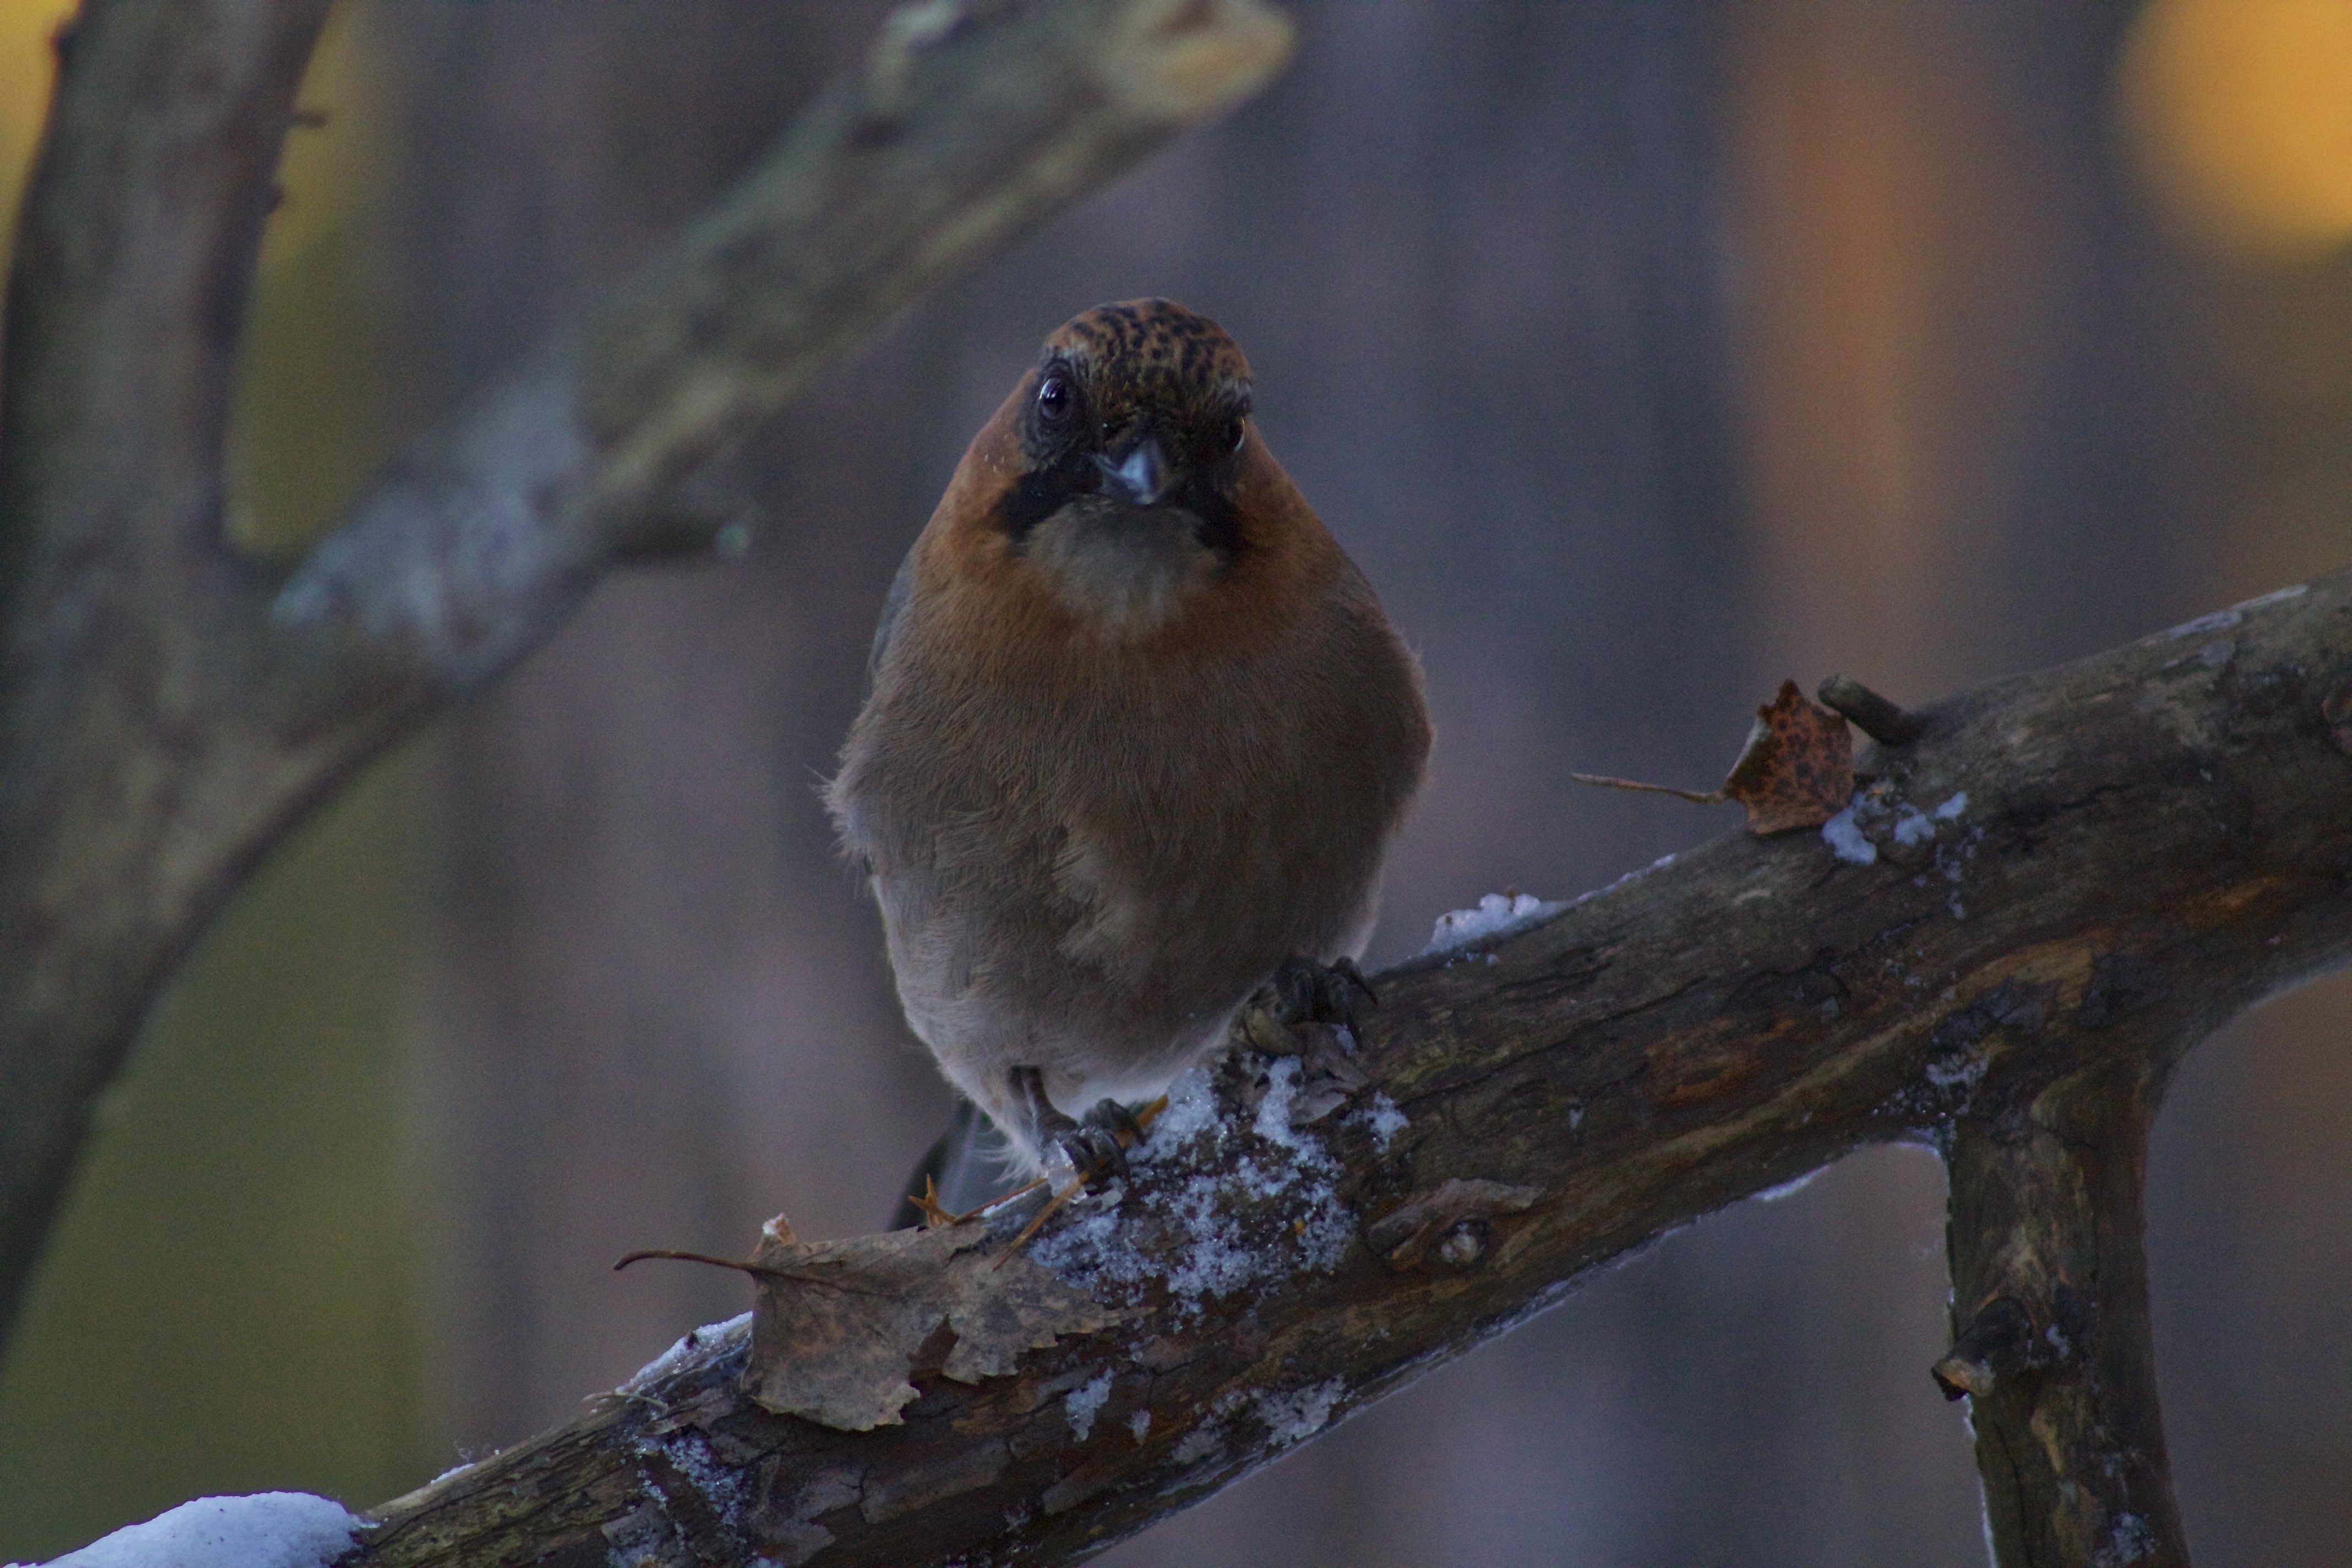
column 2241, row 114
column 27, row 68
column 319, row 381
column 326, row 170
column 321, row 173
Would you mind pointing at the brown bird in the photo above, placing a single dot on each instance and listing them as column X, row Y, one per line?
column 1138, row 736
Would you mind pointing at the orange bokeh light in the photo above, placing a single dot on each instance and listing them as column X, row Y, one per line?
column 2241, row 114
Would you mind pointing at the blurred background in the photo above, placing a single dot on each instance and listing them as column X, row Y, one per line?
column 1643, row 352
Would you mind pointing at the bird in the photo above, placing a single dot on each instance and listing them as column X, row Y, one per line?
column 1137, row 734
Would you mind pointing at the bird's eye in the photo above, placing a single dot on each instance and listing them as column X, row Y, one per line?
column 1054, row 399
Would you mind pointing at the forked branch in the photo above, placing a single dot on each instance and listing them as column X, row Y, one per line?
column 169, row 708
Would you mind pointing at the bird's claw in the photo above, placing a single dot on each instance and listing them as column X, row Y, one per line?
column 1307, row 991
column 1303, row 992
column 926, row 1203
column 1096, row 1147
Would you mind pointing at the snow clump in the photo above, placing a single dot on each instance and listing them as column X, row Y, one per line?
column 1081, row 1404
column 268, row 1529
column 1496, row 914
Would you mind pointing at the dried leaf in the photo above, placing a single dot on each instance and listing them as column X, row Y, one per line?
column 1797, row 769
column 837, row 1325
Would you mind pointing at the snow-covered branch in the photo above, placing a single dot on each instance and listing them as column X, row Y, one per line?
column 2029, row 914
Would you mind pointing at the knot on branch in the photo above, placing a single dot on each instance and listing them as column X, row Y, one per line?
column 1448, row 1223
column 2335, row 711
column 703, row 517
column 2009, row 1338
column 1997, row 1344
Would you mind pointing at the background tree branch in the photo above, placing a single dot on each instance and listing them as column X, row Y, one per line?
column 118, row 602
column 168, row 707
column 2066, row 881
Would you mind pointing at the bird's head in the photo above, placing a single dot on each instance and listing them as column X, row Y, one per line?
column 1132, row 435
column 1146, row 400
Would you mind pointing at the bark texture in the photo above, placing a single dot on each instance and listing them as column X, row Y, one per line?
column 168, row 709
column 2064, row 882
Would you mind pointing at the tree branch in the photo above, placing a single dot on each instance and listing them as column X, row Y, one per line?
column 167, row 708
column 2072, row 877
column 2046, row 1248
column 125, row 301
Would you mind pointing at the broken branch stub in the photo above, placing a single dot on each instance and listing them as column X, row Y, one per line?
column 1997, row 1342
column 1873, row 715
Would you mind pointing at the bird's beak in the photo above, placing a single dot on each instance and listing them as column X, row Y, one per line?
column 1142, row 477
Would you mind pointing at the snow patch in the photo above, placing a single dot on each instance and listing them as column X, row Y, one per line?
column 2217, row 621
column 1192, row 1110
column 1201, row 1443
column 689, row 1453
column 1255, row 1200
column 1140, row 1422
column 1081, row 1405
column 2277, row 596
column 1383, row 1120
column 1789, row 1189
column 1962, row 1072
column 1496, row 914
column 1273, row 1125
column 2132, row 1539
column 1298, row 1415
column 268, row 1529
column 691, row 1345
column 1845, row 839
column 1912, row 826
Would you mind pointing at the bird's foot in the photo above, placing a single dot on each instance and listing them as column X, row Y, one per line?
column 1301, row 993
column 1108, row 1126
column 1093, row 1146
column 1096, row 1147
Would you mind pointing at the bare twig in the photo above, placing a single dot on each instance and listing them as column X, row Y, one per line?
column 1695, row 796
column 2133, row 849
